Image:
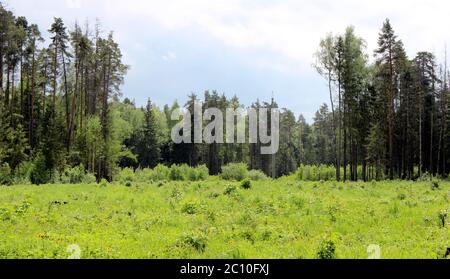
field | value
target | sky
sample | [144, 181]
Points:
[255, 49]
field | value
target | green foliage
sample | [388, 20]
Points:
[196, 241]
[443, 216]
[257, 175]
[103, 183]
[434, 184]
[125, 175]
[5, 175]
[77, 175]
[237, 172]
[229, 190]
[40, 174]
[162, 173]
[178, 172]
[199, 173]
[246, 184]
[190, 207]
[22, 174]
[327, 250]
[274, 215]
[316, 173]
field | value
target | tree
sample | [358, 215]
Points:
[390, 49]
[59, 45]
[328, 65]
[147, 145]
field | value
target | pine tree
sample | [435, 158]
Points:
[147, 145]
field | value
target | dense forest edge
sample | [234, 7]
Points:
[63, 118]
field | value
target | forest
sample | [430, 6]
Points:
[61, 108]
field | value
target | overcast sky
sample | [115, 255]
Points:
[250, 48]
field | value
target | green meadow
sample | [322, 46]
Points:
[283, 218]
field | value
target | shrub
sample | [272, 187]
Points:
[424, 177]
[163, 173]
[5, 175]
[246, 184]
[189, 208]
[103, 183]
[39, 173]
[202, 172]
[434, 184]
[316, 173]
[177, 173]
[198, 173]
[198, 242]
[89, 178]
[443, 215]
[22, 173]
[327, 250]
[125, 175]
[234, 171]
[73, 175]
[160, 173]
[257, 175]
[144, 175]
[230, 190]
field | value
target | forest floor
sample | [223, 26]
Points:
[220, 219]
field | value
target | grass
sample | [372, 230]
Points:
[219, 219]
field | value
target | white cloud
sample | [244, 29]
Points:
[292, 29]
[73, 4]
[281, 36]
[170, 55]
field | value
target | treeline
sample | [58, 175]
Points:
[60, 109]
[388, 117]
[55, 97]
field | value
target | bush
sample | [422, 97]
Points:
[89, 178]
[177, 173]
[236, 172]
[246, 184]
[5, 175]
[163, 173]
[316, 173]
[144, 175]
[198, 242]
[103, 183]
[231, 189]
[197, 174]
[424, 177]
[434, 184]
[73, 175]
[125, 175]
[22, 173]
[202, 172]
[257, 175]
[160, 173]
[39, 173]
[327, 250]
[189, 208]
